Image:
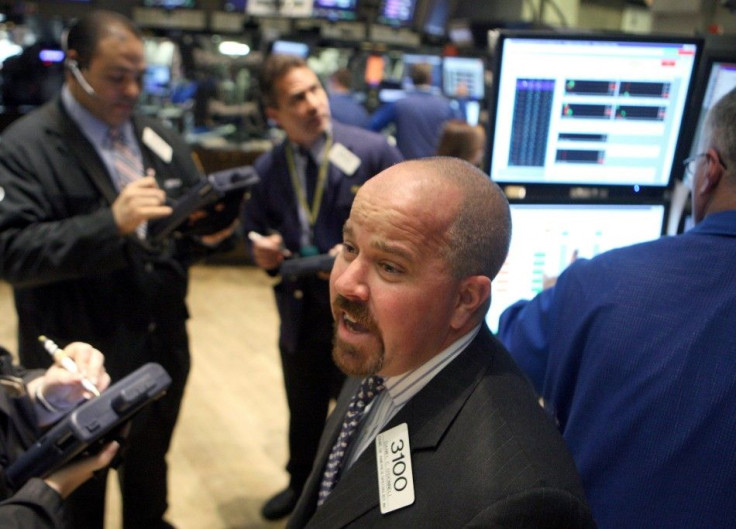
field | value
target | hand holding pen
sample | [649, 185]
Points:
[79, 359]
[268, 250]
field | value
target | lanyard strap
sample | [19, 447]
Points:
[301, 192]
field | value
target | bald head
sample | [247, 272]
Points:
[451, 204]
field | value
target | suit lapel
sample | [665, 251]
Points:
[62, 125]
[428, 415]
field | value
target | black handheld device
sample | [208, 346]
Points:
[302, 266]
[91, 425]
[220, 194]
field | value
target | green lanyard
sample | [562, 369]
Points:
[319, 190]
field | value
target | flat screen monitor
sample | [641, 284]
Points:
[588, 110]
[170, 4]
[410, 59]
[374, 68]
[460, 33]
[396, 13]
[290, 47]
[234, 6]
[547, 237]
[335, 10]
[285, 8]
[463, 77]
[157, 79]
[435, 16]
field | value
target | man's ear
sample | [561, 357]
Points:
[473, 293]
[712, 175]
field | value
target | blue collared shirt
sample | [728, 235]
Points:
[96, 130]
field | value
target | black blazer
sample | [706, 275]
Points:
[484, 454]
[74, 276]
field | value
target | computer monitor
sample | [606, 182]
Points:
[547, 237]
[435, 61]
[374, 70]
[396, 13]
[434, 17]
[157, 80]
[290, 47]
[463, 77]
[234, 6]
[599, 110]
[170, 4]
[335, 10]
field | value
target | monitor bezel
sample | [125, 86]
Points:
[543, 191]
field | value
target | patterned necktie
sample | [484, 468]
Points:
[128, 167]
[367, 391]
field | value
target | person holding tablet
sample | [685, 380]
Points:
[31, 400]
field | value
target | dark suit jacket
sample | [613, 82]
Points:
[273, 207]
[74, 276]
[484, 454]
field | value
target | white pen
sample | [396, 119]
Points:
[255, 236]
[65, 361]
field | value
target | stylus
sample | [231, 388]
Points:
[65, 361]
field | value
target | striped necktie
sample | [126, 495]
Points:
[128, 167]
[369, 388]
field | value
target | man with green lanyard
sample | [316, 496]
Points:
[307, 187]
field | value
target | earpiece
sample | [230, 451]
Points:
[76, 72]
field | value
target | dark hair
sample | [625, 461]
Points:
[84, 34]
[343, 77]
[421, 73]
[274, 68]
[460, 140]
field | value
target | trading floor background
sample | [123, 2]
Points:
[229, 447]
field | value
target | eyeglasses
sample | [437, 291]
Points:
[690, 164]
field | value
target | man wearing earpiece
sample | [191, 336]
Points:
[80, 179]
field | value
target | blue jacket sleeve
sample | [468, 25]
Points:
[382, 117]
[524, 329]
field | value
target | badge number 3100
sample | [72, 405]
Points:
[393, 458]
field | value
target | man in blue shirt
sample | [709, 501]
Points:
[343, 105]
[633, 352]
[418, 117]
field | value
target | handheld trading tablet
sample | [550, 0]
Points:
[303, 266]
[220, 194]
[91, 425]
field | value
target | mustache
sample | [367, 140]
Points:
[358, 311]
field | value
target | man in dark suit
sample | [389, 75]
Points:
[72, 214]
[307, 187]
[455, 436]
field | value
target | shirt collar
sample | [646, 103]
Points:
[316, 149]
[403, 387]
[93, 128]
[721, 223]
